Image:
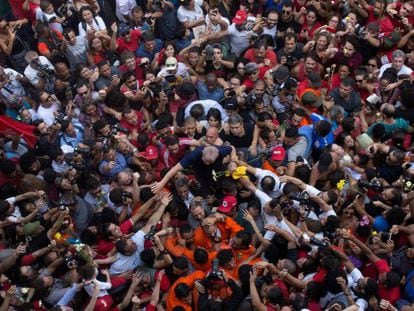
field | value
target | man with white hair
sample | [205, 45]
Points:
[397, 62]
[204, 161]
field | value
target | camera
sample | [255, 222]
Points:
[116, 129]
[360, 31]
[215, 271]
[44, 70]
[78, 150]
[303, 198]
[209, 52]
[72, 261]
[59, 118]
[230, 92]
[150, 234]
[374, 185]
[319, 243]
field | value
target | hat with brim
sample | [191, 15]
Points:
[311, 99]
[31, 228]
[229, 202]
[171, 63]
[240, 17]
[150, 153]
[278, 154]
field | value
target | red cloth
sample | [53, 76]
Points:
[9, 126]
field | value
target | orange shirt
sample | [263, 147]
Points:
[267, 166]
[178, 250]
[227, 229]
[172, 300]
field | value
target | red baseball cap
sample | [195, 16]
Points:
[150, 153]
[278, 154]
[240, 17]
[229, 202]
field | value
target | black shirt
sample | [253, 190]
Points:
[241, 142]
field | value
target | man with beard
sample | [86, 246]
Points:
[63, 82]
[390, 169]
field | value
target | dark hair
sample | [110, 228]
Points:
[182, 290]
[7, 167]
[148, 256]
[180, 263]
[147, 36]
[200, 256]
[224, 256]
[26, 161]
[268, 183]
[121, 245]
[245, 237]
[215, 113]
[323, 127]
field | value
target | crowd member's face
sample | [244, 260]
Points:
[235, 83]
[169, 51]
[333, 22]
[42, 128]
[131, 117]
[115, 231]
[28, 272]
[311, 18]
[70, 131]
[188, 237]
[259, 108]
[260, 53]
[272, 20]
[198, 213]
[211, 83]
[290, 45]
[218, 55]
[213, 122]
[359, 80]
[406, 10]
[4, 26]
[149, 45]
[183, 191]
[343, 72]
[287, 14]
[130, 248]
[349, 49]
[173, 149]
[352, 18]
[130, 64]
[378, 8]
[349, 141]
[209, 227]
[110, 155]
[193, 58]
[46, 100]
[371, 65]
[105, 131]
[72, 38]
[310, 64]
[191, 5]
[105, 71]
[289, 141]
[345, 91]
[296, 120]
[87, 16]
[190, 129]
[321, 43]
[125, 179]
[397, 63]
[83, 91]
[86, 73]
[97, 44]
[137, 16]
[237, 129]
[132, 82]
[259, 89]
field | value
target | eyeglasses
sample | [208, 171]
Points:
[285, 12]
[372, 65]
[126, 33]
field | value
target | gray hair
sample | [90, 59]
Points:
[210, 153]
[29, 56]
[235, 118]
[336, 111]
[398, 53]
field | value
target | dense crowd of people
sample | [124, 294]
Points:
[191, 155]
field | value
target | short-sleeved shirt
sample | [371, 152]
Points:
[131, 45]
[129, 263]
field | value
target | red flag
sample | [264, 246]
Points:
[10, 126]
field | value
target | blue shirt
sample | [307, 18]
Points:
[120, 165]
[72, 141]
[203, 93]
[141, 52]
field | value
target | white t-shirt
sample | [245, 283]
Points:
[124, 7]
[47, 114]
[182, 72]
[31, 73]
[207, 104]
[97, 24]
[185, 15]
[277, 189]
[403, 71]
[129, 263]
[239, 40]
[215, 28]
[104, 286]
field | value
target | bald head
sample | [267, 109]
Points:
[388, 110]
[211, 135]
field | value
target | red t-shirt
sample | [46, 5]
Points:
[131, 45]
[391, 294]
[104, 247]
[270, 54]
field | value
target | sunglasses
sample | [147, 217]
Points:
[286, 12]
[372, 65]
